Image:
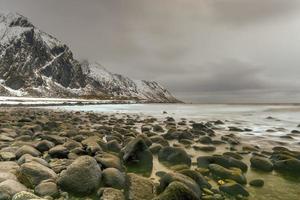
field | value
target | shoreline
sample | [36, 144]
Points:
[40, 102]
[31, 101]
[133, 156]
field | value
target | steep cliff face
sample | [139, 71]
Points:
[34, 63]
[121, 86]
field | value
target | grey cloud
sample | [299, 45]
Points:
[253, 96]
[233, 80]
[224, 76]
[242, 12]
[232, 75]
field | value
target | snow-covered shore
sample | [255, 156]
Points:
[32, 101]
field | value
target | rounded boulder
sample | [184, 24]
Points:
[82, 177]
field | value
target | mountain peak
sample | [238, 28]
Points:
[15, 19]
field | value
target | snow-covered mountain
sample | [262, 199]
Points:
[118, 85]
[34, 63]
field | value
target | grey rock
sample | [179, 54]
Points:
[251, 148]
[223, 173]
[110, 194]
[159, 140]
[7, 156]
[46, 188]
[24, 195]
[11, 187]
[29, 158]
[26, 149]
[171, 177]
[205, 148]
[44, 145]
[197, 177]
[9, 166]
[4, 138]
[228, 162]
[234, 189]
[137, 157]
[257, 183]
[114, 146]
[205, 140]
[31, 174]
[72, 144]
[261, 163]
[233, 155]
[107, 160]
[6, 176]
[58, 165]
[290, 165]
[58, 151]
[139, 188]
[158, 128]
[82, 177]
[92, 145]
[295, 131]
[155, 148]
[177, 191]
[53, 138]
[174, 156]
[112, 177]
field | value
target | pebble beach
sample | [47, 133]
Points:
[59, 154]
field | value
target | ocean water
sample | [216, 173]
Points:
[196, 111]
[256, 117]
[281, 119]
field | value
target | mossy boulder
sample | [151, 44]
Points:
[261, 163]
[112, 177]
[257, 183]
[26, 149]
[290, 166]
[197, 177]
[137, 157]
[177, 191]
[110, 194]
[33, 173]
[155, 148]
[234, 189]
[82, 177]
[47, 188]
[168, 178]
[171, 156]
[223, 173]
[225, 161]
[107, 160]
[25, 196]
[139, 187]
[9, 187]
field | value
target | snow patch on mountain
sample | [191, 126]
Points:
[17, 93]
[124, 86]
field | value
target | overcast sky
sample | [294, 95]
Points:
[201, 50]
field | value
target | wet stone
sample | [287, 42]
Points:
[224, 173]
[139, 188]
[174, 156]
[82, 177]
[257, 183]
[234, 189]
[261, 163]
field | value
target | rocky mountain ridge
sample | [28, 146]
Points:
[34, 63]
